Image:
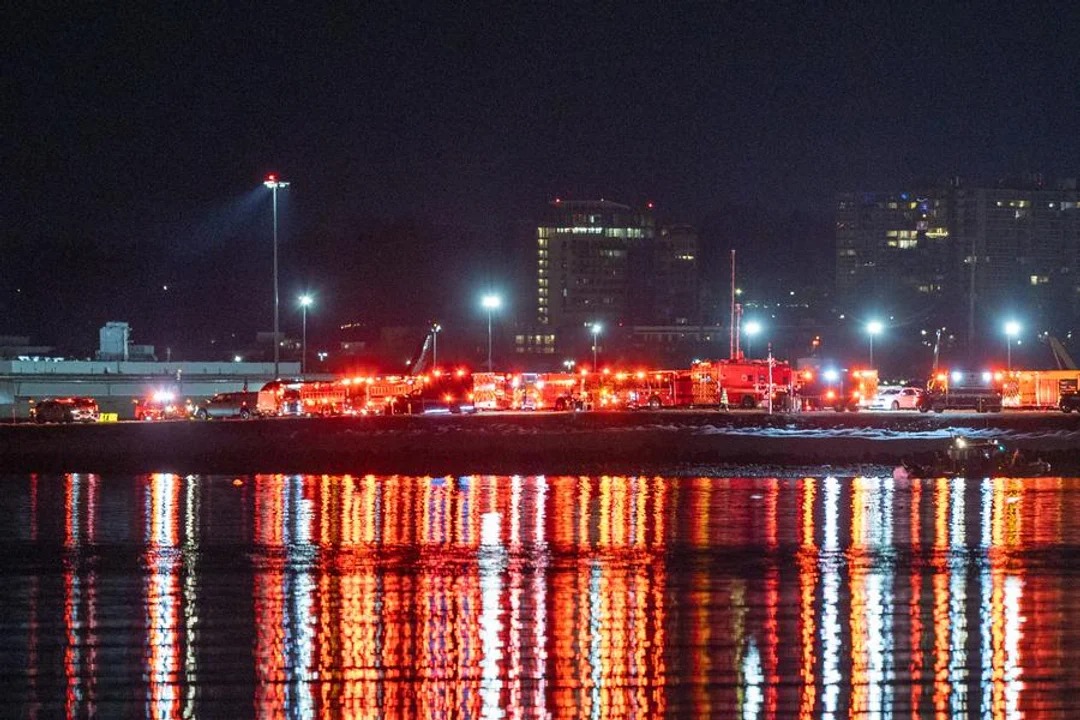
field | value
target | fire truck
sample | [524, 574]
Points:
[375, 395]
[548, 391]
[493, 391]
[1038, 389]
[743, 383]
[280, 397]
[653, 389]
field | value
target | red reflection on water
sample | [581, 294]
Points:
[608, 596]
[164, 626]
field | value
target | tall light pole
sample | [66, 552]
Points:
[596, 328]
[273, 183]
[435, 328]
[490, 303]
[1012, 329]
[874, 327]
[751, 328]
[305, 302]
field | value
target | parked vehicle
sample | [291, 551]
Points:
[1069, 402]
[160, 406]
[957, 390]
[66, 410]
[896, 398]
[241, 405]
[419, 404]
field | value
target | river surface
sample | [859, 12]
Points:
[527, 597]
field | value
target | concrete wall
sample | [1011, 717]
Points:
[115, 385]
[130, 367]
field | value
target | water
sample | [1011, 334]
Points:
[167, 596]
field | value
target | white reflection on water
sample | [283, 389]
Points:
[492, 561]
[298, 620]
[830, 562]
[529, 596]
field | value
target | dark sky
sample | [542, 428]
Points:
[420, 137]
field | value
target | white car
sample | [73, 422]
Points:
[896, 398]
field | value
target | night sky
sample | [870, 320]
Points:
[422, 139]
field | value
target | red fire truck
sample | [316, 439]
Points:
[741, 383]
[280, 397]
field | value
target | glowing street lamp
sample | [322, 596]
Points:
[490, 303]
[1012, 329]
[305, 303]
[273, 183]
[435, 329]
[596, 328]
[874, 327]
[751, 328]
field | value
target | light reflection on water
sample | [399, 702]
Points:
[482, 596]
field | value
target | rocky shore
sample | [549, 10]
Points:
[525, 444]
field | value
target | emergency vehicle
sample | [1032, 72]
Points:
[960, 390]
[745, 383]
[493, 391]
[836, 389]
[375, 395]
[548, 391]
[282, 398]
[436, 392]
[1038, 389]
[161, 405]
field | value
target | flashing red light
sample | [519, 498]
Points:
[272, 177]
[808, 376]
[460, 373]
[558, 200]
[649, 205]
[830, 395]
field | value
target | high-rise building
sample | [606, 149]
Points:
[961, 256]
[604, 262]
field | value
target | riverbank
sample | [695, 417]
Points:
[527, 444]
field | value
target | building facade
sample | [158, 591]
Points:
[604, 262]
[961, 256]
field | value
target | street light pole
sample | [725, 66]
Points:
[435, 344]
[1012, 329]
[595, 334]
[305, 301]
[751, 329]
[873, 328]
[273, 183]
[489, 303]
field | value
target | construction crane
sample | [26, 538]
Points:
[1061, 355]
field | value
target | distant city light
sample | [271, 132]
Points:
[237, 358]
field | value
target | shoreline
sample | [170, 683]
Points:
[581, 443]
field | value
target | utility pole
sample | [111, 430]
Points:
[731, 327]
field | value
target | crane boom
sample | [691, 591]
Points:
[1061, 355]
